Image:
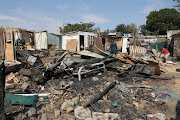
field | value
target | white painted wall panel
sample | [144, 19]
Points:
[41, 40]
[124, 45]
[77, 36]
[66, 37]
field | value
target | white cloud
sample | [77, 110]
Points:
[31, 20]
[62, 7]
[6, 17]
[152, 5]
[94, 18]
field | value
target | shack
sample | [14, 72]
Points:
[21, 34]
[106, 40]
[12, 34]
[41, 40]
[77, 41]
[156, 42]
[174, 46]
[54, 40]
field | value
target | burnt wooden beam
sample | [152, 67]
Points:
[98, 97]
[2, 86]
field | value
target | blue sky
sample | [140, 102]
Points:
[49, 14]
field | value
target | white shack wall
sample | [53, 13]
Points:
[85, 34]
[124, 45]
[65, 38]
[41, 40]
[77, 36]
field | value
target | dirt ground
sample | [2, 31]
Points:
[173, 86]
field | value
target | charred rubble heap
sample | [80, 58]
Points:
[72, 86]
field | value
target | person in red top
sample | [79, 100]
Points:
[165, 52]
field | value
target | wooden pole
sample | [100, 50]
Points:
[134, 54]
[156, 48]
[2, 86]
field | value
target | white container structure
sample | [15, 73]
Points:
[84, 39]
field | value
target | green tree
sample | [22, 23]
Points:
[108, 31]
[2, 28]
[85, 27]
[121, 28]
[160, 21]
[143, 30]
[131, 28]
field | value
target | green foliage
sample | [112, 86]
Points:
[85, 27]
[108, 31]
[131, 28]
[2, 28]
[163, 20]
[143, 30]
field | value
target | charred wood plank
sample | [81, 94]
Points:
[2, 86]
[98, 97]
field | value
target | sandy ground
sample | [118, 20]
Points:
[173, 86]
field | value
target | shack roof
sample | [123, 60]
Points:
[76, 32]
[57, 34]
[18, 29]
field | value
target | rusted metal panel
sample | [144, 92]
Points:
[9, 47]
[176, 47]
[118, 42]
[98, 41]
[1, 44]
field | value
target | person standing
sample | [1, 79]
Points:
[165, 52]
[113, 47]
[128, 46]
[31, 41]
[16, 43]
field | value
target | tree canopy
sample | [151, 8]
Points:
[108, 31]
[2, 28]
[85, 27]
[131, 28]
[161, 21]
[143, 30]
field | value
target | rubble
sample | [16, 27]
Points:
[31, 112]
[95, 78]
[159, 116]
[82, 113]
[24, 86]
[178, 69]
[67, 104]
[86, 85]
[105, 116]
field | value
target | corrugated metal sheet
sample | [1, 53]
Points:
[54, 39]
[41, 40]
[176, 47]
